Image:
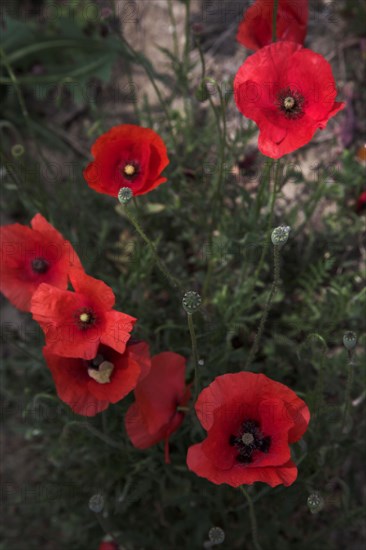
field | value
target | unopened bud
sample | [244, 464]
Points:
[17, 150]
[280, 235]
[202, 92]
[349, 340]
[125, 195]
[191, 301]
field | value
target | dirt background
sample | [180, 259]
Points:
[147, 25]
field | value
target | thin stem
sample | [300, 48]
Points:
[274, 287]
[253, 521]
[94, 431]
[276, 185]
[109, 528]
[174, 26]
[319, 387]
[194, 353]
[274, 21]
[349, 384]
[172, 280]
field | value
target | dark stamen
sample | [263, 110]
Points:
[130, 170]
[85, 318]
[249, 439]
[40, 265]
[291, 103]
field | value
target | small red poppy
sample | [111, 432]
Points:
[76, 323]
[89, 386]
[289, 91]
[255, 30]
[250, 420]
[108, 545]
[127, 156]
[361, 203]
[154, 416]
[31, 256]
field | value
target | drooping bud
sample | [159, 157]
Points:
[280, 235]
[191, 301]
[17, 150]
[125, 195]
[202, 93]
[315, 502]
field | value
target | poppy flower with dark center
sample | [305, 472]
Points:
[108, 545]
[31, 256]
[76, 323]
[127, 156]
[250, 422]
[289, 91]
[155, 414]
[361, 203]
[255, 30]
[89, 386]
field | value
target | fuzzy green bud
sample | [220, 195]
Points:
[17, 150]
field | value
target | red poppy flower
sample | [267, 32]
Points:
[89, 386]
[108, 545]
[75, 323]
[154, 416]
[255, 30]
[289, 92]
[250, 420]
[361, 203]
[30, 257]
[127, 156]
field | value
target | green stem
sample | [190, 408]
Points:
[349, 384]
[194, 353]
[172, 280]
[274, 21]
[253, 521]
[94, 431]
[174, 26]
[274, 287]
[276, 185]
[109, 528]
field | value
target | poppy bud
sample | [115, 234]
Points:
[315, 502]
[280, 235]
[349, 340]
[125, 195]
[191, 301]
[17, 150]
[202, 93]
[96, 503]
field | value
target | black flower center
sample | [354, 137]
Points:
[249, 439]
[85, 318]
[291, 103]
[130, 170]
[40, 265]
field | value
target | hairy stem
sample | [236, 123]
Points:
[253, 521]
